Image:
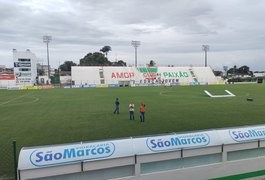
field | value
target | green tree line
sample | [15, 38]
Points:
[93, 59]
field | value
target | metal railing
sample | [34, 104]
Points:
[8, 161]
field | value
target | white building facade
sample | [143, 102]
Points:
[25, 67]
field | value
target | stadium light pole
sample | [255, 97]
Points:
[136, 44]
[205, 48]
[47, 40]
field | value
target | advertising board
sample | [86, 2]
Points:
[37, 157]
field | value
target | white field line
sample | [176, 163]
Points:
[217, 96]
[230, 93]
[165, 92]
[26, 102]
[19, 97]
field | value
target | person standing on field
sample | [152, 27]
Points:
[131, 109]
[142, 112]
[117, 106]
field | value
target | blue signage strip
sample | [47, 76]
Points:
[113, 85]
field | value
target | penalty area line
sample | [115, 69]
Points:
[19, 97]
[229, 94]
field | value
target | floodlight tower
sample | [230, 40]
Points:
[136, 44]
[47, 40]
[205, 48]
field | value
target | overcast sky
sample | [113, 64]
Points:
[170, 31]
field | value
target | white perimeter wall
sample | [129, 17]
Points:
[112, 75]
[6, 83]
[85, 75]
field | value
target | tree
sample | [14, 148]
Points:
[233, 70]
[95, 59]
[119, 63]
[152, 63]
[106, 50]
[217, 73]
[243, 70]
[66, 66]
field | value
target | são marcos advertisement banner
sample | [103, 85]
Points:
[38, 157]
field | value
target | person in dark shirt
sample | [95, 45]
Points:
[117, 106]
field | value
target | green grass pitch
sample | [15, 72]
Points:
[55, 116]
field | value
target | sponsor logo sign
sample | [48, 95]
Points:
[7, 77]
[13, 87]
[55, 156]
[89, 86]
[176, 142]
[113, 85]
[29, 88]
[101, 85]
[22, 64]
[247, 134]
[23, 74]
[174, 84]
[65, 154]
[45, 87]
[38, 157]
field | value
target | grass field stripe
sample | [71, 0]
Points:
[13, 99]
[25, 102]
[72, 115]
[242, 176]
[163, 93]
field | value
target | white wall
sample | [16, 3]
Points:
[205, 74]
[6, 83]
[43, 79]
[112, 75]
[85, 75]
[65, 79]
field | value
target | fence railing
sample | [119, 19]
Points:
[8, 161]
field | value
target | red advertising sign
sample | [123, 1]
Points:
[7, 77]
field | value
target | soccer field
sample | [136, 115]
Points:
[43, 117]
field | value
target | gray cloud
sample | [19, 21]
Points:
[171, 32]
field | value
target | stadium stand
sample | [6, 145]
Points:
[205, 75]
[142, 76]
